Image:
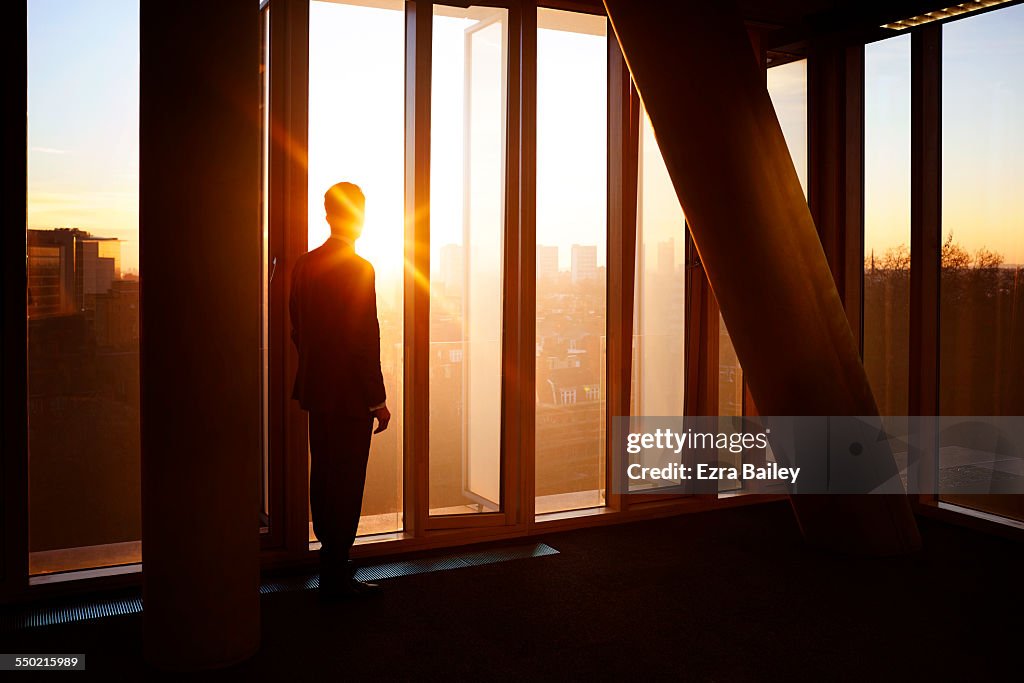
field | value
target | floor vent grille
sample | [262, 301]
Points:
[15, 619]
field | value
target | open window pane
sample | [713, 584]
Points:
[83, 284]
[356, 134]
[467, 217]
[572, 93]
[981, 310]
[659, 324]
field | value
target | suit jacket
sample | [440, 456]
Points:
[333, 307]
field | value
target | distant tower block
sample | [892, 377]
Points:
[584, 263]
[547, 262]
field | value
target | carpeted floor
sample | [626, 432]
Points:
[725, 596]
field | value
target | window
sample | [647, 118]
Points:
[981, 337]
[659, 336]
[787, 85]
[659, 316]
[467, 219]
[356, 133]
[83, 285]
[887, 222]
[572, 92]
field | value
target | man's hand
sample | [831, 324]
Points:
[383, 416]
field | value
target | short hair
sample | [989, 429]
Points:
[345, 201]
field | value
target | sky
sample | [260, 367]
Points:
[83, 120]
[572, 157]
[357, 123]
[83, 127]
[982, 136]
[886, 148]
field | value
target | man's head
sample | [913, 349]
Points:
[344, 204]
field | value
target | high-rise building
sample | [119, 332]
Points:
[97, 263]
[67, 268]
[584, 262]
[51, 272]
[547, 261]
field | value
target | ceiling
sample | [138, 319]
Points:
[787, 25]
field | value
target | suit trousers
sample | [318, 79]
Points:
[339, 448]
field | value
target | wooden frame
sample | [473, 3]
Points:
[925, 233]
[526, 290]
[510, 409]
[623, 159]
[289, 97]
[418, 34]
[286, 542]
[273, 450]
[835, 123]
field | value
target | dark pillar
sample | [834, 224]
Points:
[200, 331]
[13, 338]
[732, 171]
[835, 113]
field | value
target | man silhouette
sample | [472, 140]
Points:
[333, 307]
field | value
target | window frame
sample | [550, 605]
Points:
[926, 54]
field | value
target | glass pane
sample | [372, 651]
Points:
[887, 222]
[356, 134]
[572, 106]
[659, 324]
[787, 86]
[982, 284]
[83, 284]
[467, 217]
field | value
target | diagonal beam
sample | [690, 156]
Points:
[697, 75]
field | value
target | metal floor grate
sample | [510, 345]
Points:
[84, 610]
[80, 610]
[393, 570]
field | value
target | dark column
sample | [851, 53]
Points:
[835, 113]
[13, 342]
[200, 331]
[732, 171]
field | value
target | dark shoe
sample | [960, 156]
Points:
[344, 589]
[364, 589]
[360, 588]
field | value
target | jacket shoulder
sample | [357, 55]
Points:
[365, 265]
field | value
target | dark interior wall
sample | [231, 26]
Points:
[200, 345]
